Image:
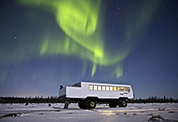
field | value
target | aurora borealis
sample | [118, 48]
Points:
[52, 42]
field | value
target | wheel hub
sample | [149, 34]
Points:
[92, 104]
[123, 103]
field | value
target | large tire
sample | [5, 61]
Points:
[81, 105]
[112, 105]
[122, 103]
[90, 104]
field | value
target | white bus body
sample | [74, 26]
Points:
[84, 92]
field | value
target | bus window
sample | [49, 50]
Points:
[107, 88]
[122, 89]
[103, 88]
[115, 88]
[111, 88]
[90, 87]
[95, 88]
[128, 89]
[118, 88]
[99, 88]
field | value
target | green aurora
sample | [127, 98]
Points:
[81, 21]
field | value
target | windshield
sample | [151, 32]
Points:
[77, 84]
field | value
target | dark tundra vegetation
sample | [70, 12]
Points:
[56, 100]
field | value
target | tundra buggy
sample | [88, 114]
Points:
[88, 94]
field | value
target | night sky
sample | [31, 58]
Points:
[45, 43]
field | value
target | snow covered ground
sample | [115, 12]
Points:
[164, 112]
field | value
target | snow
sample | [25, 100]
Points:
[102, 113]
